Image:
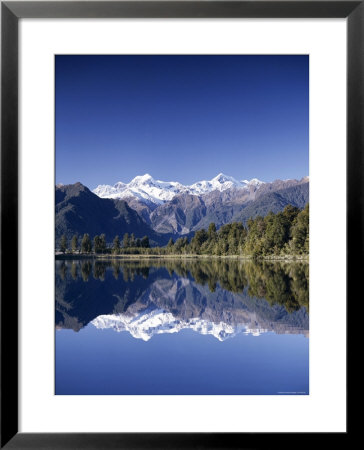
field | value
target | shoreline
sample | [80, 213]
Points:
[272, 258]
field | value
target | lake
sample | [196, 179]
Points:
[181, 326]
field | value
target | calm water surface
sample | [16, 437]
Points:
[181, 327]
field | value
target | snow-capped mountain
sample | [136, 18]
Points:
[146, 189]
[158, 321]
[170, 207]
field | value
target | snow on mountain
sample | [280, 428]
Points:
[220, 183]
[146, 189]
[158, 321]
[254, 182]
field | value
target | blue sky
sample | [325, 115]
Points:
[181, 118]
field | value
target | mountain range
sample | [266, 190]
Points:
[149, 190]
[79, 211]
[161, 210]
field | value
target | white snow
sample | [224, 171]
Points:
[147, 189]
[158, 321]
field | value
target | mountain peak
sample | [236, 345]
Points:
[222, 178]
[75, 187]
[142, 178]
[146, 189]
[255, 182]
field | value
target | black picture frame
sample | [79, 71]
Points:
[11, 12]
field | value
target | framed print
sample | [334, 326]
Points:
[168, 268]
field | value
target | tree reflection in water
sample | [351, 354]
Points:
[274, 294]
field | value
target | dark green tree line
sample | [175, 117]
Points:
[280, 234]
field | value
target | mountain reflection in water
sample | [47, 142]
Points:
[218, 297]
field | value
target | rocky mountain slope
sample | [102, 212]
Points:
[187, 213]
[162, 210]
[80, 211]
[174, 208]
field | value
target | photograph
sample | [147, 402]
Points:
[181, 224]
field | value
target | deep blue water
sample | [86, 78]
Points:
[147, 359]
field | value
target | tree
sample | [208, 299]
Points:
[74, 243]
[86, 246]
[170, 246]
[198, 239]
[286, 232]
[116, 245]
[211, 231]
[63, 244]
[290, 212]
[145, 242]
[126, 240]
[276, 233]
[300, 232]
[178, 245]
[97, 244]
[102, 243]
